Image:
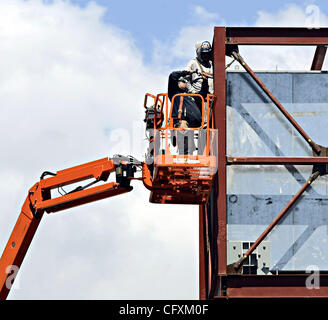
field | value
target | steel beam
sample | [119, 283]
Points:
[270, 95]
[220, 124]
[282, 213]
[276, 36]
[202, 255]
[275, 160]
[254, 285]
[319, 57]
[283, 285]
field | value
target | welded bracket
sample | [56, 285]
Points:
[257, 263]
[322, 168]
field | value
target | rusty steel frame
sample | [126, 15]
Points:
[276, 160]
[287, 115]
[273, 286]
[319, 57]
[282, 213]
[275, 36]
[215, 282]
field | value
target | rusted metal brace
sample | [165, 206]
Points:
[313, 145]
[237, 265]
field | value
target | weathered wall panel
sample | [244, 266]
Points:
[256, 194]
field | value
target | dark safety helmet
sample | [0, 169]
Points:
[205, 47]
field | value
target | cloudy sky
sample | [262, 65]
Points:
[72, 80]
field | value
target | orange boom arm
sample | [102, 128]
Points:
[39, 201]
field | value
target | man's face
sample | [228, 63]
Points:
[182, 85]
[205, 56]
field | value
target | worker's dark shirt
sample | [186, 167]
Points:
[190, 110]
[173, 87]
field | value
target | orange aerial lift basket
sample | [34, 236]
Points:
[181, 162]
[174, 172]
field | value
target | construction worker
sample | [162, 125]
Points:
[201, 82]
[185, 112]
[201, 69]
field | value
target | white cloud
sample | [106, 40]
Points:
[178, 51]
[292, 16]
[284, 57]
[202, 14]
[67, 82]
